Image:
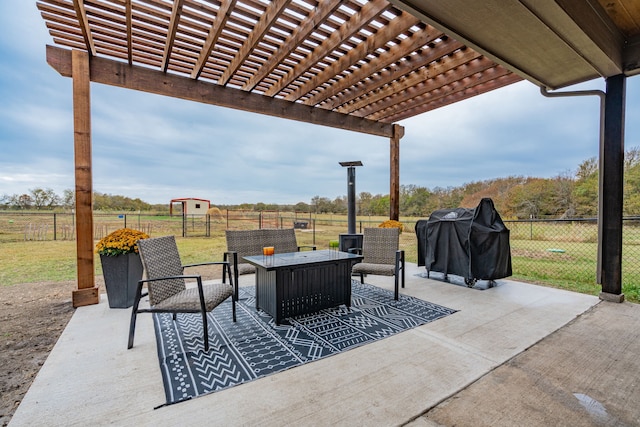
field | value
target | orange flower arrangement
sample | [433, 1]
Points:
[120, 242]
[390, 223]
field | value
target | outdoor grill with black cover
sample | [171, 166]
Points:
[471, 243]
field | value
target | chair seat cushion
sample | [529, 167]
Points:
[378, 269]
[189, 299]
[244, 268]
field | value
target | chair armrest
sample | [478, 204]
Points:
[231, 259]
[312, 247]
[182, 276]
[206, 263]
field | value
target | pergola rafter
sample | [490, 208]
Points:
[171, 33]
[83, 23]
[214, 34]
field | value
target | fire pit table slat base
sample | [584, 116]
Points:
[298, 283]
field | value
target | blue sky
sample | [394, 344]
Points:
[158, 148]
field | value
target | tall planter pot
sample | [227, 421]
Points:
[121, 274]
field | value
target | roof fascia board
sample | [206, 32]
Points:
[631, 57]
[120, 74]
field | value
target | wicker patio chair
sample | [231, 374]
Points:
[167, 290]
[381, 255]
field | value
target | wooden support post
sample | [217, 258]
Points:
[87, 292]
[394, 172]
[611, 192]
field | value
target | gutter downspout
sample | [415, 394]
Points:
[593, 92]
[602, 95]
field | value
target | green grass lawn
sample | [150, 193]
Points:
[574, 269]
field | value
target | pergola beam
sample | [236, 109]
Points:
[116, 73]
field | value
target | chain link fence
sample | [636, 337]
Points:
[566, 251]
[556, 252]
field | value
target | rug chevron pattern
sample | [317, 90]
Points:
[254, 346]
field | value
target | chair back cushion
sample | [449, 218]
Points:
[160, 258]
[379, 245]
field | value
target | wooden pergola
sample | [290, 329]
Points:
[354, 65]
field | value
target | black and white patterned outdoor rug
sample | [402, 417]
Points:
[254, 346]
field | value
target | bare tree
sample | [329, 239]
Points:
[43, 197]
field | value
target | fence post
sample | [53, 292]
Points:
[54, 225]
[125, 220]
[530, 229]
[184, 225]
[208, 226]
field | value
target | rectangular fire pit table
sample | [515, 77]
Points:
[297, 283]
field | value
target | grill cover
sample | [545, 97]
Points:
[471, 243]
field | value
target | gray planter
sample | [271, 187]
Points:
[121, 274]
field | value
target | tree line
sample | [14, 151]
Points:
[47, 199]
[568, 195]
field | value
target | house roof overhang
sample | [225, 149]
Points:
[550, 43]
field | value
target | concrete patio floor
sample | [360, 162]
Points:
[90, 378]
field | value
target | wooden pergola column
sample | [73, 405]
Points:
[610, 196]
[394, 172]
[87, 292]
